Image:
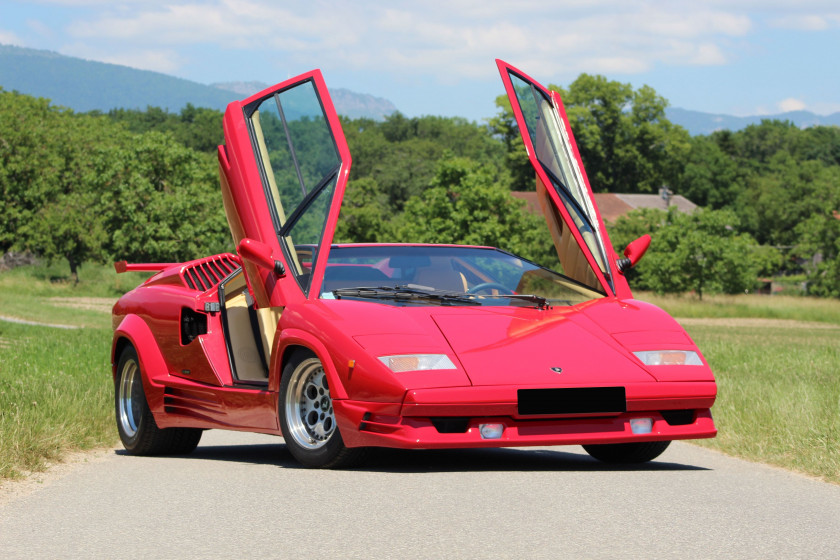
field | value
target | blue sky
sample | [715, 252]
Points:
[739, 57]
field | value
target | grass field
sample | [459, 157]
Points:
[778, 394]
[55, 394]
[749, 306]
[46, 294]
[775, 358]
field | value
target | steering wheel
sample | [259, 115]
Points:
[490, 286]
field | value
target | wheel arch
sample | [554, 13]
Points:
[134, 331]
[293, 340]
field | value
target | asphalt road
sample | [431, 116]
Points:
[242, 495]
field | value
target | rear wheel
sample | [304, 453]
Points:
[307, 418]
[637, 452]
[139, 433]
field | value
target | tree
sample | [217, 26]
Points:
[820, 247]
[365, 214]
[784, 194]
[29, 163]
[401, 154]
[45, 169]
[163, 202]
[68, 224]
[711, 177]
[700, 252]
[198, 128]
[68, 230]
[465, 205]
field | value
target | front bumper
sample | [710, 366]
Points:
[450, 418]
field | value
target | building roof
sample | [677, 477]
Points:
[613, 205]
[655, 201]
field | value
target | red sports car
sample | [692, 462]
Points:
[339, 348]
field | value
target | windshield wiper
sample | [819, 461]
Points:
[407, 293]
[412, 292]
[541, 302]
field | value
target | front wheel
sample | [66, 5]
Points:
[637, 452]
[307, 418]
[139, 433]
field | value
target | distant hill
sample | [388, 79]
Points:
[697, 122]
[347, 103]
[85, 85]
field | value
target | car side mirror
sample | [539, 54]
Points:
[633, 253]
[260, 254]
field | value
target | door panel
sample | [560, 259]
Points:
[285, 165]
[563, 191]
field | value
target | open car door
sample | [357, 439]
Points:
[563, 190]
[283, 170]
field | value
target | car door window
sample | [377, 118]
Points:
[299, 163]
[552, 148]
[562, 191]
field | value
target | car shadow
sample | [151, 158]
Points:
[500, 460]
[443, 460]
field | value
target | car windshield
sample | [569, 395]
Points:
[445, 275]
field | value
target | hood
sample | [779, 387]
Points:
[538, 348]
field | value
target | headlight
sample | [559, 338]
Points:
[669, 358]
[417, 362]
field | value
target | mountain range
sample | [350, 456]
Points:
[697, 122]
[85, 85]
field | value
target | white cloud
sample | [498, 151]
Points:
[166, 61]
[10, 38]
[440, 37]
[807, 22]
[157, 60]
[791, 104]
[825, 108]
[85, 3]
[708, 54]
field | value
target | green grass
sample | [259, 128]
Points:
[52, 279]
[797, 308]
[778, 395]
[40, 293]
[56, 394]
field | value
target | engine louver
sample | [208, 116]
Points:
[206, 273]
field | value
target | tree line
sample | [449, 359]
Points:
[143, 186]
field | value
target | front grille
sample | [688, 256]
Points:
[208, 272]
[574, 400]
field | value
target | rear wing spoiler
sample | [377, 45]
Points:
[124, 266]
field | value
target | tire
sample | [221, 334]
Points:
[139, 433]
[639, 452]
[307, 419]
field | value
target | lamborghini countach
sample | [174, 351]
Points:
[340, 348]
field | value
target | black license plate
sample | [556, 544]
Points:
[573, 400]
